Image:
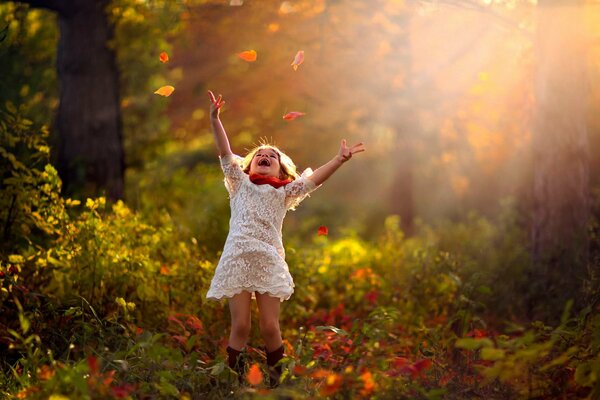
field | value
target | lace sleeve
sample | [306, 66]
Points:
[298, 190]
[232, 171]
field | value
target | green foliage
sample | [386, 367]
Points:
[29, 58]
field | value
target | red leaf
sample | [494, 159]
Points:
[121, 392]
[477, 333]
[400, 362]
[322, 231]
[371, 296]
[422, 364]
[93, 364]
[293, 115]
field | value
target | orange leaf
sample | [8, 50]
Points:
[165, 91]
[299, 59]
[320, 373]
[248, 55]
[255, 376]
[332, 384]
[322, 231]
[293, 115]
[299, 370]
[163, 57]
[367, 378]
[45, 372]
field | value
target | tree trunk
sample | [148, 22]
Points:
[403, 101]
[561, 159]
[89, 147]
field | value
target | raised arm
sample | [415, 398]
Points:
[326, 170]
[217, 126]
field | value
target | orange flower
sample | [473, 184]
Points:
[163, 57]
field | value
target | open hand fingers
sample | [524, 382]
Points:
[217, 102]
[211, 96]
[357, 148]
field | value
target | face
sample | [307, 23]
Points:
[266, 162]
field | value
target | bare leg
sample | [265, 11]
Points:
[239, 307]
[268, 309]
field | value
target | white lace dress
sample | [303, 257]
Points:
[253, 258]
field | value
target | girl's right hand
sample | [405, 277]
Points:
[215, 104]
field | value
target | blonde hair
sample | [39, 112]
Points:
[286, 165]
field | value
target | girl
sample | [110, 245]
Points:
[262, 187]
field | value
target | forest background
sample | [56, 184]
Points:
[461, 255]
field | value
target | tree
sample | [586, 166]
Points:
[561, 157]
[88, 150]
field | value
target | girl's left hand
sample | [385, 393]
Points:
[346, 152]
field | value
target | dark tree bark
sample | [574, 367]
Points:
[402, 118]
[561, 159]
[89, 149]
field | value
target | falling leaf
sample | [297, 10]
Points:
[254, 376]
[293, 115]
[248, 55]
[165, 91]
[299, 59]
[163, 57]
[322, 231]
[236, 2]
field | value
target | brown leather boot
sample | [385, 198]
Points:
[236, 362]
[273, 358]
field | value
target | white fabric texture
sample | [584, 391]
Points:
[253, 257]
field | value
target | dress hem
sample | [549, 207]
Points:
[230, 293]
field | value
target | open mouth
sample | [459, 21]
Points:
[264, 162]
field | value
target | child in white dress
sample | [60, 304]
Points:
[262, 187]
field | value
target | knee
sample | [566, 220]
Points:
[269, 327]
[240, 328]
